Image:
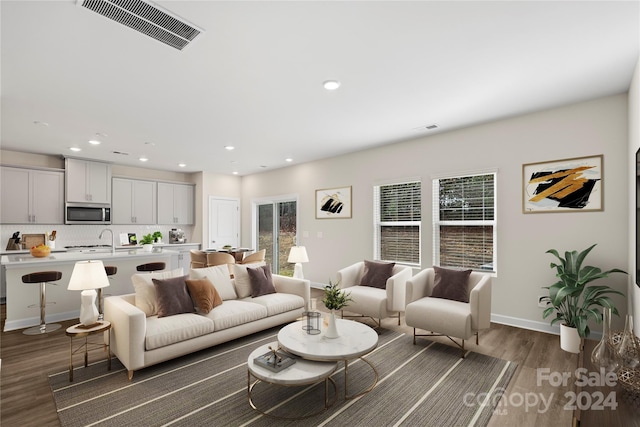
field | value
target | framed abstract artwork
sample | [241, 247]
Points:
[567, 185]
[333, 203]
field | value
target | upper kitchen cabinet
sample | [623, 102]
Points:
[175, 203]
[88, 181]
[133, 201]
[31, 196]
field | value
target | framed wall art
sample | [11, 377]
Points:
[333, 203]
[567, 185]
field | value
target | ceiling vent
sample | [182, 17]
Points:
[147, 18]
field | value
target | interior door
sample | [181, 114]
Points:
[224, 218]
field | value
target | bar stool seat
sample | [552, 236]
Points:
[151, 266]
[42, 277]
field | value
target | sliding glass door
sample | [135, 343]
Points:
[276, 227]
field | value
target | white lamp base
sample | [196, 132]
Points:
[297, 271]
[88, 311]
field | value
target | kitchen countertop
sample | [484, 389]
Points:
[19, 260]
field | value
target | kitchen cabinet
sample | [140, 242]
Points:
[175, 203]
[32, 196]
[87, 181]
[133, 201]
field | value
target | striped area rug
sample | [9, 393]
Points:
[427, 384]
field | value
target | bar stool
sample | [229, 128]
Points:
[42, 277]
[151, 266]
[110, 270]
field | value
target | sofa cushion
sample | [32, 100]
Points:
[173, 296]
[241, 278]
[163, 331]
[219, 276]
[203, 294]
[377, 273]
[277, 303]
[235, 312]
[448, 317]
[146, 298]
[451, 284]
[261, 281]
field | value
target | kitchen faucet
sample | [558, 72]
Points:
[113, 240]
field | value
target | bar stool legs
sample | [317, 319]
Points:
[42, 278]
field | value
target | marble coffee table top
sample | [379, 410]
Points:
[356, 339]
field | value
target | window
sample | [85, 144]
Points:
[397, 211]
[464, 222]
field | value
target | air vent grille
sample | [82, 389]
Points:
[146, 18]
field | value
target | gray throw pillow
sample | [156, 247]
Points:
[173, 296]
[377, 273]
[451, 284]
[261, 281]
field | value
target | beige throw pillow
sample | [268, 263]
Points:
[241, 277]
[219, 276]
[146, 297]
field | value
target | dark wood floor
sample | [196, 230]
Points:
[26, 399]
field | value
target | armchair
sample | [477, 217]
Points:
[369, 301]
[445, 317]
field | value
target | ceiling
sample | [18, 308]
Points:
[253, 79]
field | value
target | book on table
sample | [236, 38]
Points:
[275, 361]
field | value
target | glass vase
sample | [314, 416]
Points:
[604, 354]
[628, 347]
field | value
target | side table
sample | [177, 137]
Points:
[79, 331]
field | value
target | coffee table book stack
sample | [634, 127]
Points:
[274, 360]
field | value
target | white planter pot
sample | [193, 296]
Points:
[570, 339]
[147, 248]
[332, 331]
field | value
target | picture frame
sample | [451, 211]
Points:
[333, 203]
[566, 185]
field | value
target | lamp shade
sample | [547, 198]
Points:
[298, 254]
[88, 275]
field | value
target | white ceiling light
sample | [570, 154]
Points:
[288, 159]
[235, 172]
[94, 142]
[182, 165]
[331, 84]
[143, 159]
[75, 149]
[229, 147]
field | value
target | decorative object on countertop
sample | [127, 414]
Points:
[275, 360]
[334, 299]
[573, 302]
[31, 240]
[298, 255]
[14, 242]
[604, 354]
[40, 251]
[42, 278]
[157, 237]
[87, 276]
[147, 242]
[51, 240]
[628, 349]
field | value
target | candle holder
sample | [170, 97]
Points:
[311, 322]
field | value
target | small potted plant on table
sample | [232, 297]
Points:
[334, 299]
[147, 242]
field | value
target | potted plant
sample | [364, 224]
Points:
[147, 242]
[334, 299]
[575, 303]
[157, 237]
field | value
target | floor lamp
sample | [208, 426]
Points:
[298, 255]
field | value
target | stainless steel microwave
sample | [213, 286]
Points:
[87, 213]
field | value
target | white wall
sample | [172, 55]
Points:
[589, 128]
[634, 145]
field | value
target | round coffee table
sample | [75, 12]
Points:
[302, 372]
[356, 340]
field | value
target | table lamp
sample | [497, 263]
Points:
[298, 255]
[88, 276]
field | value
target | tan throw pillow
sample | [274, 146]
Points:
[241, 278]
[377, 273]
[146, 298]
[451, 284]
[203, 294]
[261, 281]
[219, 276]
[173, 297]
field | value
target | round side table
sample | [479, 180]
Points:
[80, 331]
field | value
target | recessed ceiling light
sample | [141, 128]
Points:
[101, 135]
[235, 172]
[288, 159]
[94, 142]
[143, 159]
[229, 147]
[331, 84]
[75, 148]
[150, 143]
[39, 123]
[182, 165]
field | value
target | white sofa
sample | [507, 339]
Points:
[139, 340]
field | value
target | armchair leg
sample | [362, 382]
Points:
[414, 336]
[477, 333]
[398, 318]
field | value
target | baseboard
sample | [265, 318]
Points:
[535, 325]
[12, 325]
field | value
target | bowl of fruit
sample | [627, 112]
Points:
[40, 251]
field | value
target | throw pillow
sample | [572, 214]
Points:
[203, 294]
[219, 276]
[173, 297]
[376, 274]
[146, 299]
[241, 278]
[261, 281]
[451, 284]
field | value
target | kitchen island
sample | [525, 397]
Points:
[22, 299]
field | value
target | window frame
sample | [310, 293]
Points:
[378, 224]
[471, 223]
